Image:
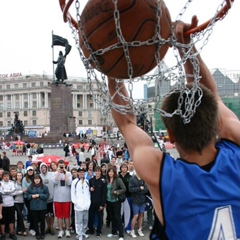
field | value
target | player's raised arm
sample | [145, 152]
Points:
[229, 125]
[139, 142]
[126, 123]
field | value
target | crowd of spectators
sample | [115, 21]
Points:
[80, 198]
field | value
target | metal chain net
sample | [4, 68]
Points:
[174, 73]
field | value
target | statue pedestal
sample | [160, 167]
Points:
[61, 113]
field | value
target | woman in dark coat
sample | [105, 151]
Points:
[37, 194]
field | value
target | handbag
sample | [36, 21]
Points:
[122, 197]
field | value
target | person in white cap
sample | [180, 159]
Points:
[27, 180]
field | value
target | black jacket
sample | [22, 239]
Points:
[99, 195]
[126, 180]
[138, 196]
[5, 163]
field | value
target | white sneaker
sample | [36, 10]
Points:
[140, 233]
[121, 238]
[150, 228]
[32, 232]
[85, 235]
[60, 234]
[132, 234]
[111, 235]
[68, 235]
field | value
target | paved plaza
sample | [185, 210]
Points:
[72, 162]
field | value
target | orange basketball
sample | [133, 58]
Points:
[138, 22]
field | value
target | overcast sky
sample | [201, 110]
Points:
[27, 25]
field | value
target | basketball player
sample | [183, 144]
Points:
[196, 196]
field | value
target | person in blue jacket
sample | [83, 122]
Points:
[38, 194]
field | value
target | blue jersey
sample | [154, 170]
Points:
[203, 205]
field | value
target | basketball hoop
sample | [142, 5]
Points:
[96, 79]
[220, 15]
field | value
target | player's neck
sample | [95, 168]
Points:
[207, 155]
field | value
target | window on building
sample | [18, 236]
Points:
[25, 96]
[0, 87]
[80, 114]
[34, 113]
[8, 97]
[1, 97]
[89, 122]
[9, 123]
[8, 114]
[25, 122]
[25, 104]
[91, 105]
[78, 97]
[8, 86]
[33, 84]
[9, 106]
[1, 123]
[41, 84]
[25, 113]
[15, 85]
[17, 105]
[89, 114]
[80, 122]
[79, 87]
[24, 85]
[1, 114]
[34, 122]
[34, 104]
[17, 97]
[1, 106]
[78, 105]
[34, 95]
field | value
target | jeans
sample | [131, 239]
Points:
[39, 216]
[94, 210]
[20, 223]
[29, 217]
[114, 210]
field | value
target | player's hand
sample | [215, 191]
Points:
[182, 27]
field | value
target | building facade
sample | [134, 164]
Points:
[30, 96]
[227, 83]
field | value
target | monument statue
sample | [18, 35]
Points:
[60, 71]
[17, 127]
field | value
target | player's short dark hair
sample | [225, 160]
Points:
[203, 126]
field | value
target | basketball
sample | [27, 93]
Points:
[138, 22]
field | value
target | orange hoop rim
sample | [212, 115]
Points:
[221, 13]
[65, 7]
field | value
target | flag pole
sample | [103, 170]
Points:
[53, 57]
